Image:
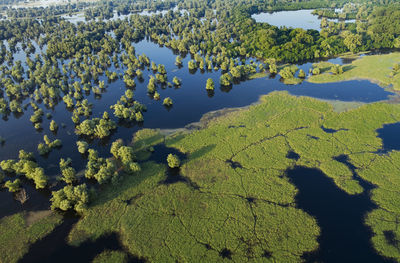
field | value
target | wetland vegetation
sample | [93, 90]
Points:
[103, 157]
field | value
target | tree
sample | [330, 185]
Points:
[287, 73]
[53, 126]
[178, 61]
[176, 81]
[173, 160]
[302, 74]
[167, 102]
[352, 41]
[192, 64]
[210, 84]
[316, 71]
[68, 172]
[39, 178]
[273, 69]
[70, 197]
[13, 186]
[225, 79]
[337, 69]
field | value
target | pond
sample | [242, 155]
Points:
[389, 134]
[344, 237]
[294, 19]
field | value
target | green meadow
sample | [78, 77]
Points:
[20, 230]
[376, 68]
[236, 202]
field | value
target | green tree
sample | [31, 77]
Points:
[176, 81]
[13, 186]
[302, 74]
[167, 102]
[225, 79]
[53, 126]
[173, 160]
[70, 197]
[210, 84]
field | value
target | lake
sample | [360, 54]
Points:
[295, 19]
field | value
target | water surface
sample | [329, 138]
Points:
[295, 19]
[344, 236]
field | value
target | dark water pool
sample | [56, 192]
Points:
[344, 236]
[390, 135]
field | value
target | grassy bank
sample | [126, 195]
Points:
[21, 230]
[376, 68]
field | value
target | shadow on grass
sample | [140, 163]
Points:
[201, 152]
[347, 68]
[53, 248]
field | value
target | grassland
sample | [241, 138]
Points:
[376, 68]
[111, 257]
[20, 230]
[258, 75]
[235, 202]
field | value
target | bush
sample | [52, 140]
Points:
[176, 81]
[48, 145]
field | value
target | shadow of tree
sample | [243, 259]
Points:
[201, 152]
[347, 68]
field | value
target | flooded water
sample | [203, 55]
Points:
[190, 101]
[340, 216]
[344, 236]
[389, 134]
[295, 19]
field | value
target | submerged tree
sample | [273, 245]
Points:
[82, 146]
[210, 84]
[167, 102]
